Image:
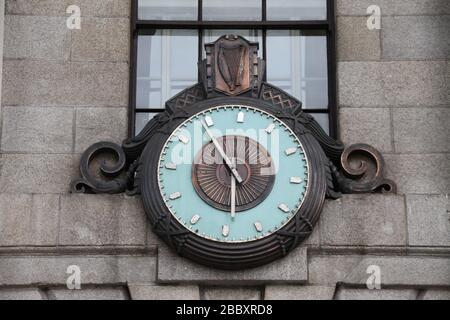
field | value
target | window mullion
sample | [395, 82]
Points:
[165, 66]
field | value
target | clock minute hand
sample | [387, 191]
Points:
[222, 153]
[233, 194]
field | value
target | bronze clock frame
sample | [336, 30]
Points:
[132, 167]
[231, 255]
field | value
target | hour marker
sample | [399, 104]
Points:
[240, 117]
[270, 128]
[175, 196]
[290, 151]
[195, 219]
[225, 230]
[296, 180]
[171, 166]
[258, 226]
[183, 139]
[283, 207]
[209, 121]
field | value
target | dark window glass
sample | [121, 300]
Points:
[166, 64]
[232, 10]
[297, 63]
[167, 9]
[296, 9]
[171, 33]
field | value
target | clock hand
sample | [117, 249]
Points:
[233, 194]
[222, 153]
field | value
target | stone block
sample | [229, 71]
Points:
[15, 210]
[45, 83]
[105, 8]
[21, 294]
[436, 294]
[27, 219]
[355, 42]
[389, 7]
[95, 270]
[330, 269]
[428, 220]
[101, 39]
[421, 130]
[383, 294]
[137, 269]
[299, 292]
[412, 271]
[2, 21]
[101, 220]
[28, 37]
[419, 173]
[172, 268]
[37, 130]
[416, 38]
[366, 125]
[37, 173]
[364, 220]
[231, 293]
[155, 292]
[100, 293]
[99, 124]
[400, 83]
[44, 219]
[360, 84]
[89, 8]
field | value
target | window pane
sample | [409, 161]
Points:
[167, 64]
[167, 9]
[251, 35]
[232, 10]
[296, 9]
[142, 119]
[323, 120]
[297, 63]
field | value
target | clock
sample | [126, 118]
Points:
[243, 179]
[229, 183]
[233, 174]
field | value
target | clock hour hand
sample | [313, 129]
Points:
[222, 153]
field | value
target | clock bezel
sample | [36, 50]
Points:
[239, 107]
[232, 255]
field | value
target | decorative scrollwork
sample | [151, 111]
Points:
[97, 176]
[362, 167]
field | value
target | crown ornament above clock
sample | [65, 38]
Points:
[233, 174]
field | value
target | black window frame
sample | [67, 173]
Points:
[328, 26]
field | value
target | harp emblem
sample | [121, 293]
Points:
[232, 65]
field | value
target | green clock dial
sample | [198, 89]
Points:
[233, 173]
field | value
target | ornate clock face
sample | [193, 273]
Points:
[233, 173]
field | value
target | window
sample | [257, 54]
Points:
[296, 37]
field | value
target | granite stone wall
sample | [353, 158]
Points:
[66, 89]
